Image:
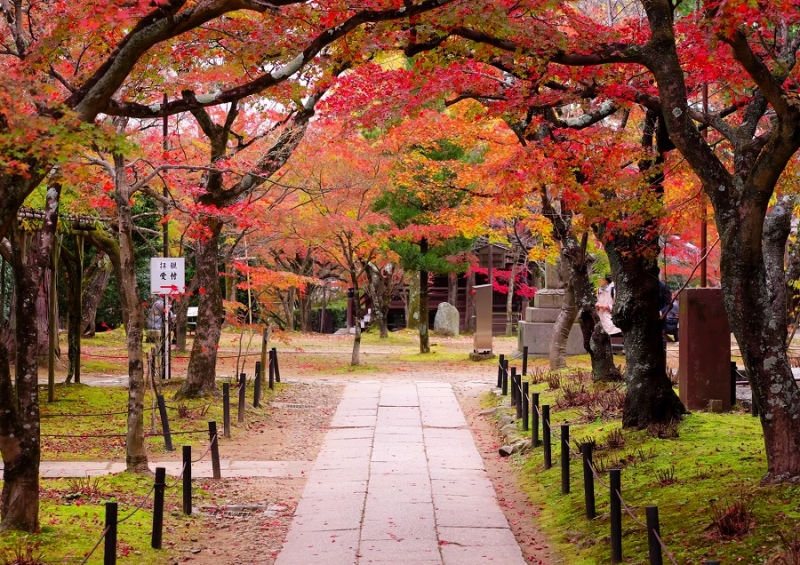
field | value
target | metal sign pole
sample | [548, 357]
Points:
[167, 340]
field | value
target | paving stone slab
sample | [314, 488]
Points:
[400, 552]
[477, 537]
[400, 452]
[455, 555]
[468, 512]
[349, 433]
[399, 513]
[448, 434]
[357, 465]
[317, 487]
[353, 422]
[381, 530]
[392, 430]
[472, 487]
[330, 548]
[401, 488]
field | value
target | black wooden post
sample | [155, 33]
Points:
[564, 459]
[162, 410]
[271, 370]
[242, 399]
[158, 507]
[535, 418]
[277, 366]
[226, 409]
[525, 360]
[504, 390]
[548, 456]
[214, 439]
[513, 386]
[525, 407]
[500, 371]
[187, 480]
[588, 480]
[652, 541]
[616, 515]
[257, 386]
[110, 547]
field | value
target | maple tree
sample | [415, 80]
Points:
[56, 83]
[340, 184]
[748, 52]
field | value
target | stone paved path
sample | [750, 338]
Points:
[399, 481]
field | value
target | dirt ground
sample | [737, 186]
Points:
[253, 516]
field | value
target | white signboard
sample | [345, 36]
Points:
[167, 275]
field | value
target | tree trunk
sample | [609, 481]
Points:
[230, 286]
[563, 325]
[93, 292]
[181, 309]
[73, 262]
[201, 377]
[19, 402]
[110, 247]
[424, 315]
[469, 315]
[777, 227]
[650, 397]
[452, 289]
[413, 309]
[510, 306]
[135, 453]
[380, 289]
[355, 359]
[761, 340]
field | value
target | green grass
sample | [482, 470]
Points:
[184, 416]
[69, 529]
[717, 457]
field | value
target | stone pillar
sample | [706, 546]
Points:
[704, 349]
[536, 330]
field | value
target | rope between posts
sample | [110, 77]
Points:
[664, 547]
[88, 555]
[210, 444]
[628, 510]
[655, 533]
[619, 495]
[141, 504]
[577, 454]
[92, 436]
[104, 414]
[178, 479]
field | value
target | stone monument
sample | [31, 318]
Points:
[447, 319]
[704, 349]
[536, 330]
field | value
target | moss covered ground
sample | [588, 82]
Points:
[716, 459]
[187, 419]
[72, 519]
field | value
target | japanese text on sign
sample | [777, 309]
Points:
[167, 275]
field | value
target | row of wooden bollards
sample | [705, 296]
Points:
[109, 535]
[274, 377]
[527, 409]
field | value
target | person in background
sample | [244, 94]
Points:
[155, 321]
[605, 303]
[671, 321]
